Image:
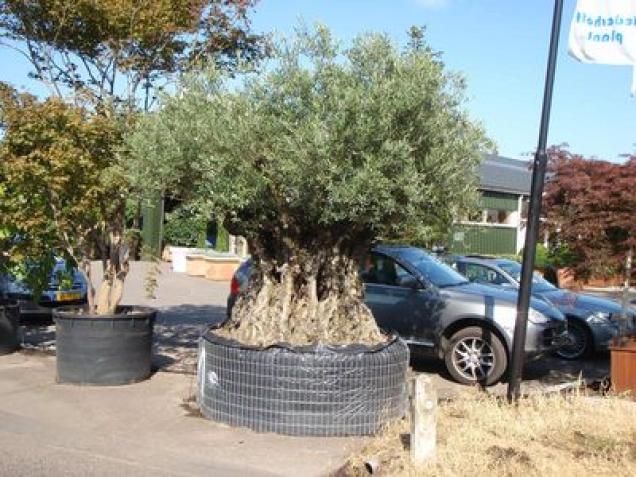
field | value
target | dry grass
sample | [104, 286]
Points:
[479, 434]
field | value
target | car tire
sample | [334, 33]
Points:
[579, 342]
[476, 355]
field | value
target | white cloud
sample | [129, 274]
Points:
[431, 4]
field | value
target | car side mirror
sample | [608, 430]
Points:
[409, 281]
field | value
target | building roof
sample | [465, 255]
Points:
[502, 174]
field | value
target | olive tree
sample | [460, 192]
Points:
[312, 157]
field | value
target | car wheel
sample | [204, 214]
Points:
[476, 355]
[578, 342]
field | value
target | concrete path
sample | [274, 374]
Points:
[49, 429]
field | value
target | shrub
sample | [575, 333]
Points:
[185, 227]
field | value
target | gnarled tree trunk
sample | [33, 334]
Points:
[312, 296]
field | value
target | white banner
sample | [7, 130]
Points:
[604, 31]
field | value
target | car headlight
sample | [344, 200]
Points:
[537, 317]
[599, 318]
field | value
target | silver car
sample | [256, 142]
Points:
[592, 321]
[437, 310]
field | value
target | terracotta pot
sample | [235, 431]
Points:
[623, 365]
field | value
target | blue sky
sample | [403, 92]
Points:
[501, 47]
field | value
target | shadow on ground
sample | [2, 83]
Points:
[38, 336]
[177, 332]
[552, 370]
[538, 374]
[176, 336]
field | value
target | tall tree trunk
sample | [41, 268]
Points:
[85, 268]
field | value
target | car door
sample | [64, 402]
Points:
[397, 305]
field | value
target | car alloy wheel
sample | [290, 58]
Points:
[577, 342]
[475, 355]
[473, 358]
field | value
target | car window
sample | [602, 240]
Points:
[514, 270]
[432, 269]
[382, 270]
[482, 274]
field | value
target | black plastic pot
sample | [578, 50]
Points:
[303, 391]
[104, 350]
[9, 324]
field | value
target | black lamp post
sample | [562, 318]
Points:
[534, 213]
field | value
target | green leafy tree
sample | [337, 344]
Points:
[62, 190]
[109, 58]
[312, 158]
[120, 51]
[185, 227]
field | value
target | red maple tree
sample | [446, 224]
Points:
[590, 206]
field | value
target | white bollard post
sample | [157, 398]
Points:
[423, 420]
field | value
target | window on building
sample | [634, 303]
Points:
[497, 216]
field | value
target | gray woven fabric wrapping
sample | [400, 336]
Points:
[308, 391]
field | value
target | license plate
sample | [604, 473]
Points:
[67, 296]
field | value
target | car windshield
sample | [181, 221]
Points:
[514, 270]
[436, 272]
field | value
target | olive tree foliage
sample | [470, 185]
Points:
[313, 157]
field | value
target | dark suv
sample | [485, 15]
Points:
[437, 310]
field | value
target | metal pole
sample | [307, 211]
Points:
[534, 213]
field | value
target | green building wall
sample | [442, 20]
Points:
[152, 227]
[482, 239]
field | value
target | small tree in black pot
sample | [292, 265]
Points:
[101, 62]
[64, 193]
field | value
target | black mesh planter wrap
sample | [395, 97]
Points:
[104, 349]
[303, 391]
[9, 323]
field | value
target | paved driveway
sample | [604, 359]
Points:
[187, 305]
[143, 429]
